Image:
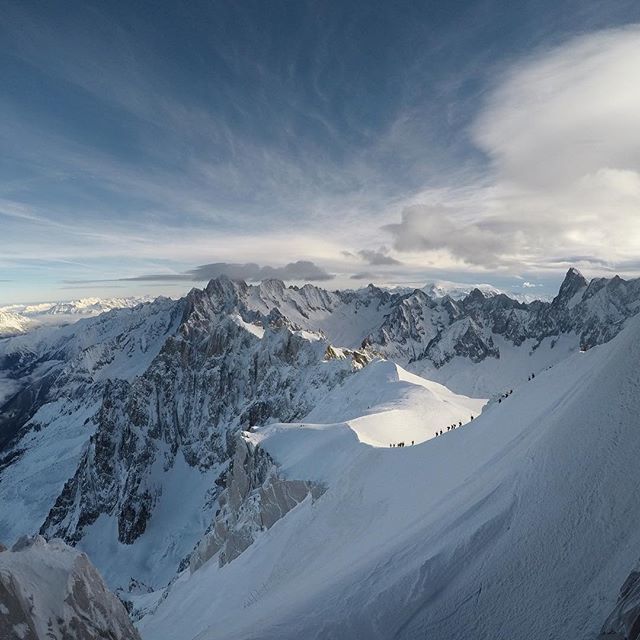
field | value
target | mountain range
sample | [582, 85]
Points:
[20, 318]
[261, 461]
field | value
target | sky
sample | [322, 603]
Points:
[146, 147]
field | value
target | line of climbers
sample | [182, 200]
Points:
[451, 427]
[400, 444]
[500, 399]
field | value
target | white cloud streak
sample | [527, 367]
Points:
[562, 136]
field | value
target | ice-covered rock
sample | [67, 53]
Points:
[255, 498]
[49, 591]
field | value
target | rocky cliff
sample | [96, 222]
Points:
[51, 591]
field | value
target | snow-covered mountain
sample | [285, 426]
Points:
[190, 442]
[521, 524]
[49, 590]
[138, 406]
[12, 324]
[458, 291]
[20, 318]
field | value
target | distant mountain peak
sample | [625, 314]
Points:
[573, 282]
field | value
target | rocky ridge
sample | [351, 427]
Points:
[254, 499]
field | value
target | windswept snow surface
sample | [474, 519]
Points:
[493, 376]
[522, 524]
[384, 404]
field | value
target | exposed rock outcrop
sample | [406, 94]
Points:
[624, 621]
[255, 498]
[51, 591]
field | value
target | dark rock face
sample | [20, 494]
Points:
[573, 283]
[49, 590]
[624, 621]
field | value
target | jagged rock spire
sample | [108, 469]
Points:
[572, 283]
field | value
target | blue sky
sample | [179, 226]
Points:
[148, 146]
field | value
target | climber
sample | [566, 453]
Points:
[460, 423]
[472, 417]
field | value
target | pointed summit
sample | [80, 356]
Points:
[573, 282]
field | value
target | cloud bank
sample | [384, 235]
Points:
[301, 270]
[379, 257]
[562, 138]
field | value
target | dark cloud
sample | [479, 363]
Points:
[429, 227]
[365, 275]
[377, 257]
[104, 284]
[299, 270]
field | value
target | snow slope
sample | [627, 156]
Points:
[385, 404]
[522, 524]
[492, 376]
